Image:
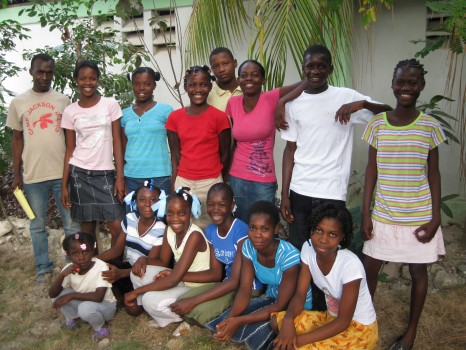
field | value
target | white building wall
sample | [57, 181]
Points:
[375, 55]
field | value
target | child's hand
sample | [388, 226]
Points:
[112, 274]
[183, 307]
[344, 112]
[60, 301]
[367, 229]
[285, 209]
[130, 298]
[426, 232]
[139, 267]
[286, 339]
[70, 269]
[162, 274]
[119, 190]
[65, 198]
[226, 329]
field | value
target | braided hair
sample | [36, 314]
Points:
[140, 70]
[333, 211]
[197, 69]
[410, 63]
[267, 208]
[81, 237]
[221, 187]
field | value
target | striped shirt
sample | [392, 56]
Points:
[403, 194]
[286, 256]
[137, 246]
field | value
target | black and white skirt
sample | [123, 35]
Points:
[91, 195]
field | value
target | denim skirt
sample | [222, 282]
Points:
[91, 195]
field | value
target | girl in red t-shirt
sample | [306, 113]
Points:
[199, 139]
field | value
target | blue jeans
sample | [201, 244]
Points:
[247, 192]
[37, 195]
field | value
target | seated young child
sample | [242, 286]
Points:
[157, 287]
[141, 236]
[79, 290]
[225, 236]
[276, 264]
[350, 322]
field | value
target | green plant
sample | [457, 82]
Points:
[128, 10]
[9, 30]
[84, 39]
[433, 109]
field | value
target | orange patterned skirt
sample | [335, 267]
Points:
[356, 336]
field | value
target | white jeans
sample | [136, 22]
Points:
[157, 303]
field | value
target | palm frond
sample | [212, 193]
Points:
[213, 23]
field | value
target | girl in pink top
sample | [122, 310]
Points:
[252, 172]
[93, 139]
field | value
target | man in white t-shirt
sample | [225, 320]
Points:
[317, 156]
[38, 143]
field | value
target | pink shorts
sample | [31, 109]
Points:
[398, 243]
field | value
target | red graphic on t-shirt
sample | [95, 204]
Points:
[44, 120]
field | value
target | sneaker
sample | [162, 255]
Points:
[100, 334]
[183, 329]
[70, 324]
[41, 279]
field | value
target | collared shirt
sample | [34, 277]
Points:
[219, 98]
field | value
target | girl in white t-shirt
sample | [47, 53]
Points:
[350, 321]
[80, 291]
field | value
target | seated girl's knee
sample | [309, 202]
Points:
[86, 308]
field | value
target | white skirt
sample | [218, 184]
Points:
[396, 243]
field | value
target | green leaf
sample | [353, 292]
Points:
[138, 61]
[450, 196]
[446, 209]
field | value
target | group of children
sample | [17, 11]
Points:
[242, 249]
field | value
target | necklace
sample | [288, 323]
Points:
[150, 228]
[149, 106]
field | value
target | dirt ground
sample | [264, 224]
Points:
[29, 322]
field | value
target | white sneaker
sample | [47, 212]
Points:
[153, 324]
[183, 329]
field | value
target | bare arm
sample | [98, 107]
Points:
[17, 147]
[124, 142]
[228, 327]
[287, 170]
[96, 296]
[224, 149]
[116, 251]
[287, 335]
[184, 306]
[369, 185]
[193, 246]
[214, 274]
[433, 175]
[119, 190]
[70, 141]
[175, 154]
[287, 95]
[344, 112]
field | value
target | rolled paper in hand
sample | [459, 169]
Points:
[24, 203]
